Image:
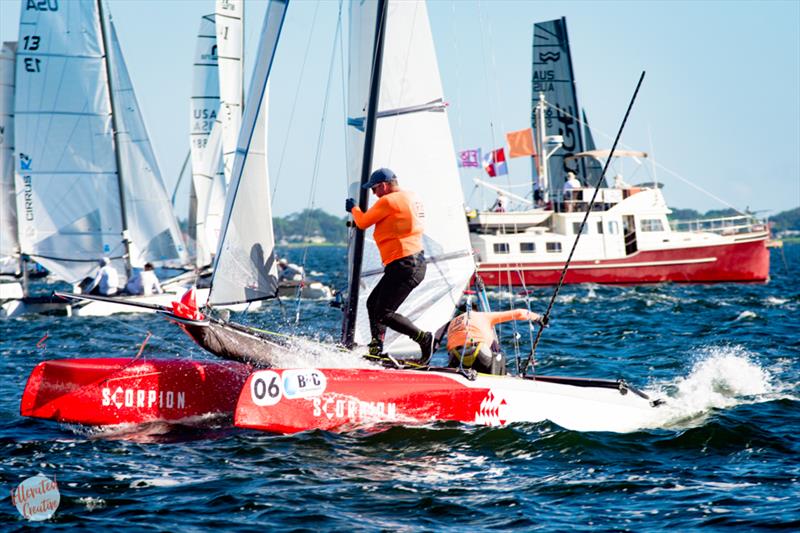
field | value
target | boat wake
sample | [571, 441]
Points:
[721, 378]
[308, 353]
[190, 428]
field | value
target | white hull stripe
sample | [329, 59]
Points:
[557, 266]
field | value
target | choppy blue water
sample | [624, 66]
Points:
[725, 355]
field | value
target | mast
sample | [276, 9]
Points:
[544, 179]
[348, 327]
[125, 237]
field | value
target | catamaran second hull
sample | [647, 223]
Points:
[112, 391]
[293, 400]
[232, 341]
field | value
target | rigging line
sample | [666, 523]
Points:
[580, 230]
[530, 323]
[317, 159]
[657, 164]
[128, 325]
[344, 125]
[294, 103]
[496, 96]
[697, 187]
[180, 178]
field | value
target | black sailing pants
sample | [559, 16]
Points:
[400, 277]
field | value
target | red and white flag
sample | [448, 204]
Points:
[494, 163]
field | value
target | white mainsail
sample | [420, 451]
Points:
[9, 241]
[413, 139]
[205, 147]
[230, 45]
[69, 204]
[245, 268]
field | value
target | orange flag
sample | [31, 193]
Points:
[520, 143]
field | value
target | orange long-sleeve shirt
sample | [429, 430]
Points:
[481, 326]
[397, 217]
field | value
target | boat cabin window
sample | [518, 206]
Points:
[501, 248]
[576, 226]
[553, 247]
[527, 247]
[599, 227]
[613, 227]
[652, 224]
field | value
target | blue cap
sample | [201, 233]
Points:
[379, 176]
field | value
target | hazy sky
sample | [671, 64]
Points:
[720, 106]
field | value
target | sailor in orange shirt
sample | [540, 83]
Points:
[471, 340]
[397, 217]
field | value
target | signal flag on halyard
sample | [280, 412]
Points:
[494, 163]
[469, 158]
[520, 143]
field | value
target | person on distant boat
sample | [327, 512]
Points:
[106, 281]
[569, 196]
[145, 282]
[499, 205]
[289, 271]
[398, 220]
[472, 343]
[620, 183]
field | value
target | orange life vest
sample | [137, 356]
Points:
[397, 217]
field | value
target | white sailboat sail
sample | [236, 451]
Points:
[553, 76]
[245, 268]
[212, 206]
[204, 108]
[68, 203]
[154, 231]
[413, 139]
[70, 206]
[9, 241]
[230, 45]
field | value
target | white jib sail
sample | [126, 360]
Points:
[413, 139]
[9, 242]
[68, 202]
[245, 268]
[204, 106]
[230, 45]
[153, 228]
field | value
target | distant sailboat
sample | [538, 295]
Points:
[206, 146]
[88, 179]
[229, 16]
[215, 125]
[11, 268]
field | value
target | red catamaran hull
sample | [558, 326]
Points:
[740, 261]
[124, 391]
[293, 400]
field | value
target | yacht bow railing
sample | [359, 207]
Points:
[732, 225]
